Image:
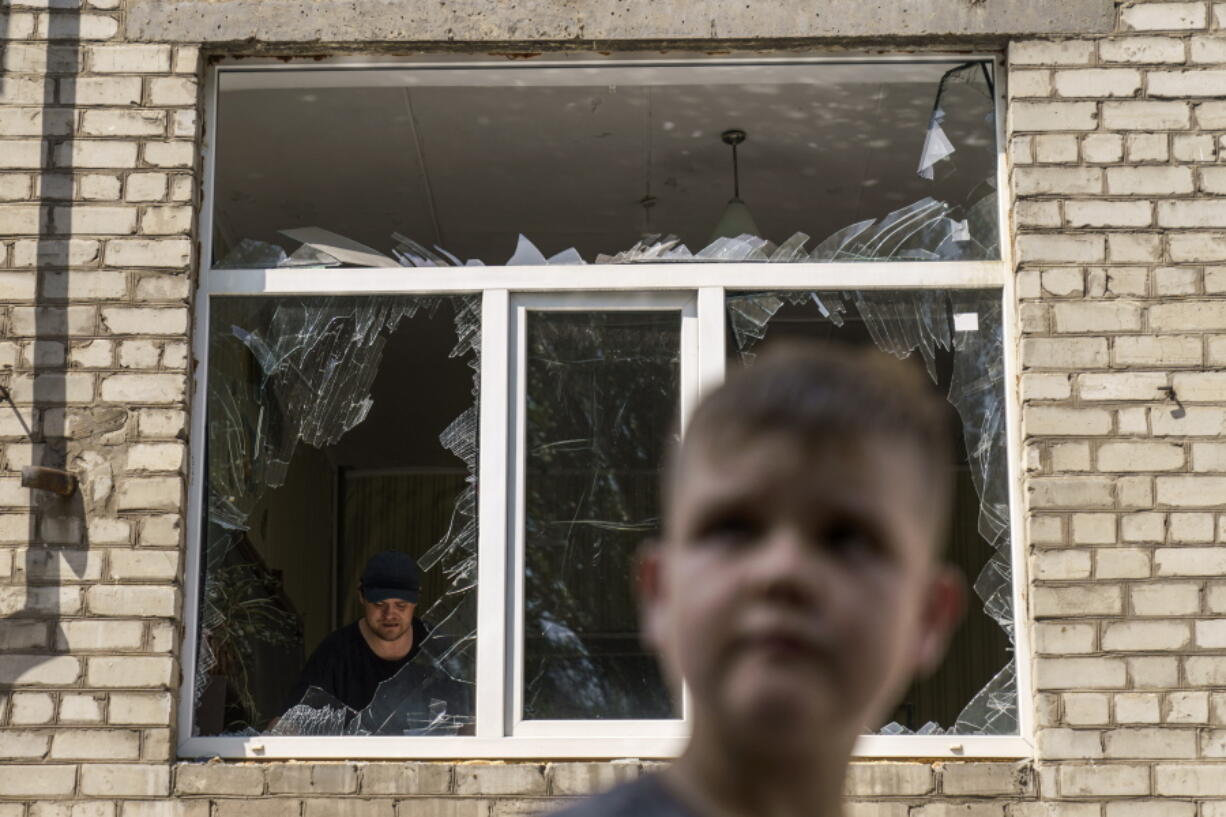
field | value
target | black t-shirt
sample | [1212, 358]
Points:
[345, 667]
[645, 797]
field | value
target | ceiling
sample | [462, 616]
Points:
[468, 159]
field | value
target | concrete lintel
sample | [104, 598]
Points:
[500, 21]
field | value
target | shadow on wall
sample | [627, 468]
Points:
[44, 590]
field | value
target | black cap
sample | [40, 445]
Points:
[391, 575]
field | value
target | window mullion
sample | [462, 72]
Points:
[492, 493]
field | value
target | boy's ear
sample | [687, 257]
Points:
[649, 584]
[943, 610]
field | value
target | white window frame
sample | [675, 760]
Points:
[698, 290]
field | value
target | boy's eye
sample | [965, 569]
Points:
[850, 540]
[730, 529]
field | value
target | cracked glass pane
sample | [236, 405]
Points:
[625, 163]
[322, 452]
[956, 336]
[602, 397]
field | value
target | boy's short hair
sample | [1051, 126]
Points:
[823, 392]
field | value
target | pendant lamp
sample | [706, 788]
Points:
[736, 219]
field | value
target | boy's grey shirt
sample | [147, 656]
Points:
[645, 797]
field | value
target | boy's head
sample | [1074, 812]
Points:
[798, 586]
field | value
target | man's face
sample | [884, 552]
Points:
[796, 590]
[388, 620]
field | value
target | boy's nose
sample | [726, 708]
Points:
[789, 569]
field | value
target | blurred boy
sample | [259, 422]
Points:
[797, 587]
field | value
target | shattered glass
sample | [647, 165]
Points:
[602, 397]
[957, 334]
[285, 371]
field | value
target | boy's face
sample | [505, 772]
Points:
[796, 590]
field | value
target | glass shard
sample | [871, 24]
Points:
[958, 337]
[289, 379]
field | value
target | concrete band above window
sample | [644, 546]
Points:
[339, 21]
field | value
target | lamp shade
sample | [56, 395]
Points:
[736, 220]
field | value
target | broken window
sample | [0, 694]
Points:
[591, 163]
[322, 452]
[956, 336]
[603, 215]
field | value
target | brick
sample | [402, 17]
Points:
[1070, 457]
[1155, 350]
[1102, 147]
[219, 779]
[1142, 50]
[129, 672]
[1165, 599]
[1209, 457]
[406, 778]
[1079, 600]
[143, 388]
[1146, 636]
[565, 779]
[75, 636]
[1191, 491]
[515, 778]
[166, 220]
[313, 778]
[92, 153]
[1070, 492]
[1029, 83]
[1032, 181]
[1076, 744]
[1140, 457]
[165, 808]
[1093, 528]
[1061, 249]
[82, 709]
[1122, 386]
[1097, 316]
[129, 565]
[1172, 561]
[1157, 180]
[1194, 148]
[23, 745]
[128, 600]
[123, 123]
[128, 59]
[1196, 421]
[43, 780]
[1177, 281]
[38, 670]
[1055, 420]
[1121, 563]
[170, 154]
[1086, 709]
[267, 807]
[1184, 84]
[31, 708]
[146, 187]
[96, 744]
[333, 807]
[1163, 17]
[1190, 316]
[1197, 247]
[23, 635]
[1148, 147]
[140, 252]
[1213, 180]
[1049, 52]
[1064, 353]
[1211, 634]
[1098, 82]
[141, 709]
[125, 780]
[173, 91]
[1191, 527]
[100, 91]
[1099, 780]
[1196, 780]
[1099, 213]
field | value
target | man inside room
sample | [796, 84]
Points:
[371, 661]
